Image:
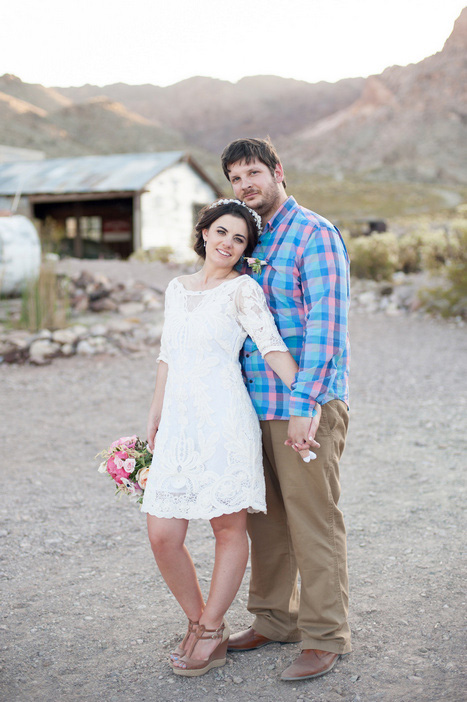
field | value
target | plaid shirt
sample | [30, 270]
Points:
[306, 284]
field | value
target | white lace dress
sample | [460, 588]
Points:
[207, 456]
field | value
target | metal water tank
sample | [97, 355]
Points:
[20, 253]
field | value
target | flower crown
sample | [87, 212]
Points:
[255, 215]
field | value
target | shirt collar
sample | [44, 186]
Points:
[281, 214]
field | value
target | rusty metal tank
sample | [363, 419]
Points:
[20, 253]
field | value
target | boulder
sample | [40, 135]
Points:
[43, 349]
[84, 348]
[120, 326]
[43, 334]
[80, 330]
[21, 339]
[104, 304]
[131, 309]
[98, 330]
[153, 332]
[67, 350]
[65, 336]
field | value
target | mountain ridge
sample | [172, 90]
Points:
[408, 122]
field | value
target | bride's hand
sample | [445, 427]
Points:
[302, 433]
[153, 426]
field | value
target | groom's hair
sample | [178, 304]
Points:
[248, 150]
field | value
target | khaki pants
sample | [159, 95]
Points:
[302, 532]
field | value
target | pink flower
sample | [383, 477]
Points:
[129, 465]
[128, 441]
[116, 466]
[142, 477]
[132, 488]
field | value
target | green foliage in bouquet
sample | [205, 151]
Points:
[127, 462]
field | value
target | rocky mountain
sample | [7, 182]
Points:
[97, 125]
[47, 99]
[407, 123]
[100, 125]
[209, 112]
[27, 126]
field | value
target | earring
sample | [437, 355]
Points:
[204, 243]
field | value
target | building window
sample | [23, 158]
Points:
[71, 226]
[90, 228]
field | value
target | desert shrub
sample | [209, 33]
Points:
[450, 299]
[428, 248]
[410, 252]
[52, 234]
[345, 233]
[158, 253]
[374, 256]
[45, 301]
[435, 249]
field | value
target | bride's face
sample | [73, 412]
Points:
[226, 240]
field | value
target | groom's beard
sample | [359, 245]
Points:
[265, 202]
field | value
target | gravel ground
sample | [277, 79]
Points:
[87, 616]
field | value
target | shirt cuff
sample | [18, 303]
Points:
[301, 408]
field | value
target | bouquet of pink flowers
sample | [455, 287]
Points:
[127, 461]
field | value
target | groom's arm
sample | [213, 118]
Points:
[324, 278]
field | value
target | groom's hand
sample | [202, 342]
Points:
[302, 432]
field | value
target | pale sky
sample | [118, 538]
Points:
[70, 42]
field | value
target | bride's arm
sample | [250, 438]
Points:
[155, 410]
[283, 364]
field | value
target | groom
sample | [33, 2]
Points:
[305, 278]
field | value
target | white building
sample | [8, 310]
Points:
[113, 205]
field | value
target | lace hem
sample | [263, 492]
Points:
[199, 514]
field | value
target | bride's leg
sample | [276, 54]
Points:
[230, 562]
[167, 538]
[229, 567]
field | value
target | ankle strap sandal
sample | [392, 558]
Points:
[193, 667]
[181, 648]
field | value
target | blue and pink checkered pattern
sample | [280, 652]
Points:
[306, 283]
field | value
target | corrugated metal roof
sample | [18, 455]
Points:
[84, 174]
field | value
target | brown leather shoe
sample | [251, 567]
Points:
[249, 640]
[311, 663]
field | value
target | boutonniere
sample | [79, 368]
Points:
[255, 264]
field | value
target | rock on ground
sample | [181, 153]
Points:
[86, 616]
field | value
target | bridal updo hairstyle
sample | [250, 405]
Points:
[209, 214]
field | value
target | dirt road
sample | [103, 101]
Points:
[86, 616]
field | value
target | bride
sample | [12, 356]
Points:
[203, 430]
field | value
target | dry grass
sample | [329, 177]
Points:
[44, 301]
[345, 201]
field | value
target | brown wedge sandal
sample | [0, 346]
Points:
[217, 659]
[181, 648]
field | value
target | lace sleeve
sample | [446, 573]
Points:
[163, 354]
[163, 351]
[254, 316]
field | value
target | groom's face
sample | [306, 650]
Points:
[255, 184]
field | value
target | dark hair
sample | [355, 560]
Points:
[209, 214]
[248, 150]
